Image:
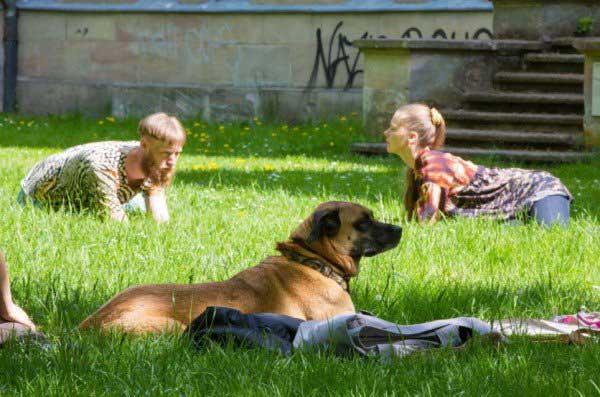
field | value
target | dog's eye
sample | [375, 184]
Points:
[362, 226]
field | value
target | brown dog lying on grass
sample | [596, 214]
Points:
[308, 280]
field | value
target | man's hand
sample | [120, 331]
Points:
[14, 313]
[156, 204]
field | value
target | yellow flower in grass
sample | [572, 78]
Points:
[110, 119]
[21, 122]
[246, 128]
[100, 122]
[331, 144]
[268, 167]
[273, 134]
[211, 166]
[240, 161]
[221, 128]
[30, 123]
[226, 145]
[295, 129]
[196, 124]
[342, 118]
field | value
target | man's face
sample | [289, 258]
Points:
[160, 158]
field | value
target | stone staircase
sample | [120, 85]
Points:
[533, 114]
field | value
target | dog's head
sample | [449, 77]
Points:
[343, 233]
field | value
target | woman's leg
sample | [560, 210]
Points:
[552, 210]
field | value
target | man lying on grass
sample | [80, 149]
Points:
[104, 176]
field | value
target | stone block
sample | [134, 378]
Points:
[263, 66]
[460, 26]
[92, 27]
[99, 61]
[332, 103]
[288, 29]
[290, 105]
[211, 65]
[43, 98]
[42, 26]
[214, 29]
[379, 106]
[135, 101]
[387, 70]
[45, 58]
[140, 101]
[536, 19]
[304, 57]
[442, 78]
[228, 104]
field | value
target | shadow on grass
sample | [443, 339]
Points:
[363, 184]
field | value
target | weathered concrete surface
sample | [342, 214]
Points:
[438, 73]
[542, 19]
[43, 98]
[217, 53]
[591, 123]
[228, 104]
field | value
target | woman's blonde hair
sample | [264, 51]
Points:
[430, 127]
[163, 127]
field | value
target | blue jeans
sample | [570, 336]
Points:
[136, 204]
[551, 210]
[23, 199]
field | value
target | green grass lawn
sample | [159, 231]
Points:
[239, 189]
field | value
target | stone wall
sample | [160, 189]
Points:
[217, 65]
[543, 19]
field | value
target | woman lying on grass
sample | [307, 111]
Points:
[103, 176]
[439, 183]
[13, 320]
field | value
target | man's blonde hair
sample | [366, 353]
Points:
[163, 127]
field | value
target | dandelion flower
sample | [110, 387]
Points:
[111, 119]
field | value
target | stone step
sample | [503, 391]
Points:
[537, 138]
[554, 57]
[513, 118]
[539, 78]
[538, 156]
[519, 97]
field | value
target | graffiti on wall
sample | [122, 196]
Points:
[323, 60]
[341, 55]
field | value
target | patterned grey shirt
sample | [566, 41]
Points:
[90, 176]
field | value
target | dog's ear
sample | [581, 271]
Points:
[325, 223]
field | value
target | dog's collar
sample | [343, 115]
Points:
[320, 265]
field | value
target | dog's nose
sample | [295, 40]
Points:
[397, 230]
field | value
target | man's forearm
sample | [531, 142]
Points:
[156, 204]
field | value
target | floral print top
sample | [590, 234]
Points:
[452, 186]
